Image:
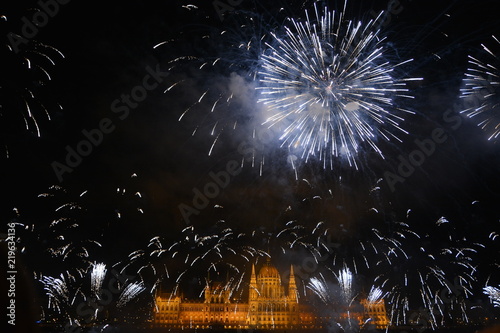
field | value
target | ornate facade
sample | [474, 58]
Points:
[269, 306]
[376, 312]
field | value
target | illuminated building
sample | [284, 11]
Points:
[376, 312]
[269, 306]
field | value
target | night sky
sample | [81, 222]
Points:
[108, 49]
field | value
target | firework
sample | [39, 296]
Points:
[57, 292]
[443, 275]
[340, 299]
[480, 92]
[196, 254]
[395, 265]
[213, 79]
[411, 269]
[130, 292]
[375, 295]
[344, 278]
[326, 88]
[74, 280]
[494, 295]
[388, 260]
[337, 259]
[96, 278]
[319, 288]
[330, 89]
[95, 291]
[25, 71]
[56, 235]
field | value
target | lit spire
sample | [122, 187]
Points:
[253, 278]
[292, 286]
[253, 284]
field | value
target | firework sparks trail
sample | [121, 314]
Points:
[481, 89]
[56, 291]
[24, 73]
[382, 255]
[319, 288]
[97, 278]
[494, 295]
[444, 278]
[339, 299]
[130, 292]
[375, 295]
[195, 252]
[57, 235]
[220, 74]
[68, 293]
[407, 259]
[404, 266]
[432, 269]
[344, 278]
[330, 89]
[327, 88]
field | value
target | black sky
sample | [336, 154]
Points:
[107, 48]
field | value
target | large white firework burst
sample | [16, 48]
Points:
[480, 91]
[330, 88]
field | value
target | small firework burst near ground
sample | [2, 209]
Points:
[90, 296]
[480, 91]
[329, 88]
[494, 295]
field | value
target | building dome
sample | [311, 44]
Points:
[268, 270]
